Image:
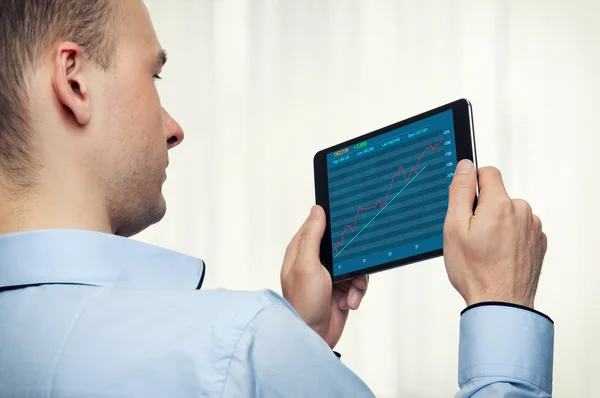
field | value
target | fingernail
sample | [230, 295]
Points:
[465, 166]
[355, 299]
[314, 213]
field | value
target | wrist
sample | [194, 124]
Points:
[519, 301]
[505, 304]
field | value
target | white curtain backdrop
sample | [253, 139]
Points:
[259, 86]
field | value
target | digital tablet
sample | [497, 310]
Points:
[385, 193]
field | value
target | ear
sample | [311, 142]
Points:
[69, 81]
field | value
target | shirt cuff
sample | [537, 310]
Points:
[506, 340]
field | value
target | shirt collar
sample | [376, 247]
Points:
[93, 258]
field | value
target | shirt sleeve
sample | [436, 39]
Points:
[278, 355]
[505, 350]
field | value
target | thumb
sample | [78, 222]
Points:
[309, 237]
[462, 194]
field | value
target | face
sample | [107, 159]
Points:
[136, 132]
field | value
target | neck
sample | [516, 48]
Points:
[65, 202]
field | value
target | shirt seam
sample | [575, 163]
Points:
[239, 339]
[61, 355]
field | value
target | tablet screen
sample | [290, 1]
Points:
[388, 195]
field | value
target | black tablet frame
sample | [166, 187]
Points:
[464, 133]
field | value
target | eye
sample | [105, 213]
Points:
[156, 77]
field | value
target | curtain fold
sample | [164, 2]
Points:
[259, 86]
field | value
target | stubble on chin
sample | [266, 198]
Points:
[134, 211]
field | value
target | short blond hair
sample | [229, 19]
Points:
[28, 28]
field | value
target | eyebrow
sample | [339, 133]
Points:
[161, 58]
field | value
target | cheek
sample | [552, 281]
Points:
[137, 100]
[144, 112]
[136, 126]
[153, 134]
[151, 109]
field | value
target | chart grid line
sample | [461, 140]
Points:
[382, 209]
[379, 203]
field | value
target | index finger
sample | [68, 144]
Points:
[491, 185]
[361, 282]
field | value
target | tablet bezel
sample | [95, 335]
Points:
[465, 149]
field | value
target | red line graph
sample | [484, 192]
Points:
[379, 203]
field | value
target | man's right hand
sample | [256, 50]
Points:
[495, 254]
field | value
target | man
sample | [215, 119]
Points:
[87, 312]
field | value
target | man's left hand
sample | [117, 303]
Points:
[307, 286]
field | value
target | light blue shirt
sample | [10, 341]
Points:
[85, 314]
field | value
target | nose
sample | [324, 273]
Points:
[173, 130]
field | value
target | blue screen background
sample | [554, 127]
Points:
[388, 195]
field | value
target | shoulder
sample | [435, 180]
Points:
[197, 335]
[140, 342]
[258, 300]
[194, 333]
[203, 317]
[194, 308]
[239, 309]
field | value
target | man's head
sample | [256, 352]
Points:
[82, 130]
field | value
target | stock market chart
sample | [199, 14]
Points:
[388, 195]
